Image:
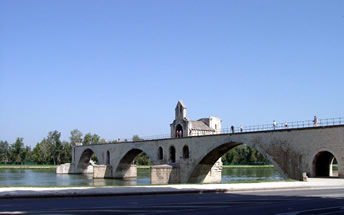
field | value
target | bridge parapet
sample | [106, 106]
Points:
[287, 125]
[328, 122]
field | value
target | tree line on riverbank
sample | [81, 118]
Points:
[52, 150]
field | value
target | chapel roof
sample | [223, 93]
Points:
[199, 125]
[181, 103]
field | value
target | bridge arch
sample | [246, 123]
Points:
[200, 171]
[84, 160]
[123, 168]
[322, 163]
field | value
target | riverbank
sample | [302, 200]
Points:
[228, 166]
[28, 166]
[247, 166]
[139, 166]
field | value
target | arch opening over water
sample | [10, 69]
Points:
[236, 154]
[127, 167]
[87, 160]
[325, 165]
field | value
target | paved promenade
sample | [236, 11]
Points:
[35, 192]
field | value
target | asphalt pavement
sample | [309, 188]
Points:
[278, 202]
[317, 196]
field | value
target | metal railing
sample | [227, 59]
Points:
[264, 127]
[286, 125]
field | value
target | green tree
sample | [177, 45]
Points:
[55, 145]
[25, 155]
[136, 138]
[113, 141]
[142, 158]
[87, 139]
[46, 151]
[76, 137]
[95, 139]
[102, 141]
[90, 139]
[244, 154]
[16, 150]
[66, 156]
[37, 155]
[4, 151]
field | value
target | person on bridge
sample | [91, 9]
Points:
[274, 124]
[286, 124]
[232, 128]
[241, 128]
[315, 121]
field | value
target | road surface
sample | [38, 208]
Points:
[306, 201]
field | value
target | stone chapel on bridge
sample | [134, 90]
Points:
[182, 126]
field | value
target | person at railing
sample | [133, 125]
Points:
[315, 121]
[286, 124]
[241, 128]
[274, 124]
[232, 128]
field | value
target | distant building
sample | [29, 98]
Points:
[183, 126]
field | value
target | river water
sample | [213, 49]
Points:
[47, 177]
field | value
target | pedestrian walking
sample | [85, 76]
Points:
[274, 124]
[232, 128]
[241, 128]
[315, 121]
[286, 124]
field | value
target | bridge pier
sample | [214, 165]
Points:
[125, 171]
[165, 174]
[179, 173]
[102, 171]
[214, 176]
[70, 168]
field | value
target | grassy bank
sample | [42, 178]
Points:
[227, 166]
[143, 167]
[259, 181]
[248, 166]
[27, 166]
[140, 167]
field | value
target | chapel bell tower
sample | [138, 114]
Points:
[180, 110]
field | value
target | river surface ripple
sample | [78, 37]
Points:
[47, 177]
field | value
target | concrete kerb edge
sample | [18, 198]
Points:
[108, 194]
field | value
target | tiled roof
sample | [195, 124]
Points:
[199, 125]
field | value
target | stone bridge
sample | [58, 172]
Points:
[194, 159]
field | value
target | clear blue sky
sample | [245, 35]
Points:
[118, 68]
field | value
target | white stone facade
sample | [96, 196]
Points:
[182, 126]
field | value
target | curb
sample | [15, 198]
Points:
[20, 194]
